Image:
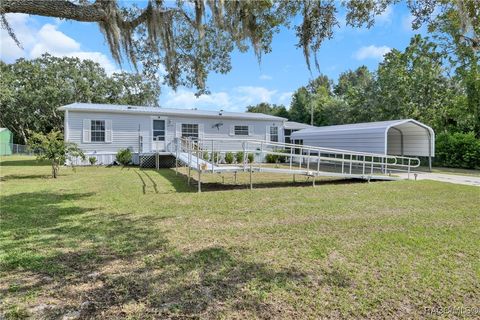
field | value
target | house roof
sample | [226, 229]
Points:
[115, 108]
[380, 125]
[296, 125]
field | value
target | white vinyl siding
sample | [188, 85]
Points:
[127, 130]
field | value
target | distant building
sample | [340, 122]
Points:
[6, 142]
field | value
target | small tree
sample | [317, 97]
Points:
[52, 147]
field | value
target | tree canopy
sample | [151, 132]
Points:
[417, 82]
[32, 90]
[192, 38]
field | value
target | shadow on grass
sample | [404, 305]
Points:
[195, 284]
[24, 162]
[24, 177]
[179, 182]
[97, 263]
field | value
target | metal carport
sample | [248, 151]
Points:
[406, 137]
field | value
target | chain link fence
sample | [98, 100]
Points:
[7, 149]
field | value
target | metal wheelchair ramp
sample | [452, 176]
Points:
[208, 156]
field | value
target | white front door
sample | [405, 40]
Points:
[158, 135]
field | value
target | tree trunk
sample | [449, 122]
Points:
[54, 170]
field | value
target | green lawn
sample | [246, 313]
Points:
[111, 242]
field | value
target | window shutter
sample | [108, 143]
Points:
[250, 130]
[232, 130]
[86, 130]
[267, 133]
[178, 130]
[108, 130]
[201, 131]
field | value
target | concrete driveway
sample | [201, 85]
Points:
[443, 177]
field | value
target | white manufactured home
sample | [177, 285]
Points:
[101, 130]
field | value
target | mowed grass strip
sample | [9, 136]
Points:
[124, 242]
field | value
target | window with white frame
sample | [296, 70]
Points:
[274, 134]
[241, 130]
[190, 130]
[97, 129]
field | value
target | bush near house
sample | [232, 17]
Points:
[239, 157]
[124, 157]
[276, 158]
[457, 150]
[229, 157]
[92, 160]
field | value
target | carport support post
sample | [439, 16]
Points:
[430, 163]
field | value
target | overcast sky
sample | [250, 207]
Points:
[280, 73]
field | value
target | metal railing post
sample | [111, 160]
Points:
[363, 165]
[176, 156]
[291, 157]
[189, 158]
[212, 158]
[408, 169]
[244, 146]
[318, 162]
[343, 162]
[251, 184]
[308, 161]
[351, 156]
[199, 171]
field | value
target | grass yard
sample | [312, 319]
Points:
[111, 242]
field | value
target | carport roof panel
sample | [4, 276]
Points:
[380, 125]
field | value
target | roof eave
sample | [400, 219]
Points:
[71, 107]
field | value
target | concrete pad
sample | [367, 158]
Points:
[451, 178]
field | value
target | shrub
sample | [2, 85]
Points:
[457, 150]
[276, 158]
[124, 157]
[215, 157]
[206, 156]
[239, 157]
[92, 160]
[229, 157]
[251, 157]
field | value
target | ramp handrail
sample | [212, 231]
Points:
[306, 155]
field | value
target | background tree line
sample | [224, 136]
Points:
[435, 80]
[32, 90]
[414, 83]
